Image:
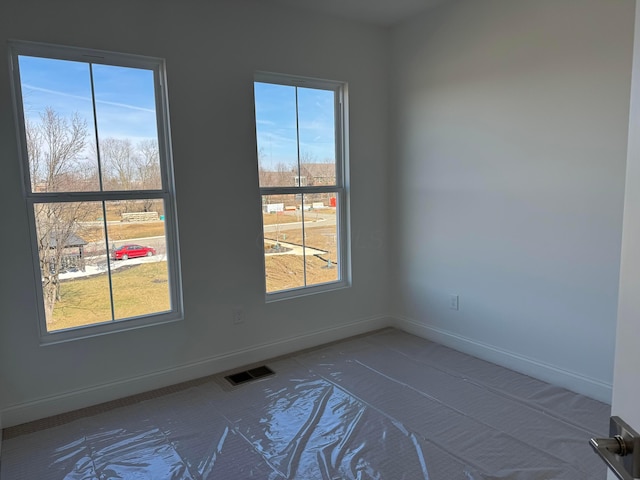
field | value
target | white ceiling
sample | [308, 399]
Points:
[380, 12]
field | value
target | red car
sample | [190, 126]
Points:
[132, 251]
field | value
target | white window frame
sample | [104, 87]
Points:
[341, 187]
[165, 193]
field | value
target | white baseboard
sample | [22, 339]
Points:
[52, 405]
[557, 376]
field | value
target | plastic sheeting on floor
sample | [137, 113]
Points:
[387, 406]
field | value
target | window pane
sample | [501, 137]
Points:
[316, 120]
[282, 218]
[321, 238]
[127, 128]
[73, 264]
[56, 98]
[138, 256]
[276, 135]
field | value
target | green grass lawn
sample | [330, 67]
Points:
[123, 231]
[137, 290]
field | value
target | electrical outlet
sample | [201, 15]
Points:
[454, 302]
[237, 315]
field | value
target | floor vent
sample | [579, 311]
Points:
[249, 375]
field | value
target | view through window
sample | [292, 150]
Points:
[300, 139]
[98, 184]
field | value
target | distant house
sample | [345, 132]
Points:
[310, 175]
[316, 174]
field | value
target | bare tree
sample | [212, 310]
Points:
[57, 225]
[55, 146]
[264, 175]
[148, 165]
[34, 150]
[118, 163]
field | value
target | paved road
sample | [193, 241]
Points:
[311, 220]
[97, 265]
[97, 249]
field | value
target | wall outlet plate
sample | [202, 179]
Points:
[454, 302]
[237, 315]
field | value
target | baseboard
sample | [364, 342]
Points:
[573, 381]
[53, 405]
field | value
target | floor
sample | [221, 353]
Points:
[387, 405]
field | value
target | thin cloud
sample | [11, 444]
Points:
[266, 122]
[79, 97]
[125, 105]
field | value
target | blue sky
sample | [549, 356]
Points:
[125, 107]
[125, 101]
[276, 124]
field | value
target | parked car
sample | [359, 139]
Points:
[132, 251]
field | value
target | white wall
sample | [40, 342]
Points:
[212, 50]
[507, 174]
[509, 161]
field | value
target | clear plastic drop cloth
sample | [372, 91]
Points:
[386, 406]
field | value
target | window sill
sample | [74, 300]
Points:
[305, 291]
[81, 333]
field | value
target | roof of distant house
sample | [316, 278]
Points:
[72, 241]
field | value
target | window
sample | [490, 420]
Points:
[98, 182]
[301, 140]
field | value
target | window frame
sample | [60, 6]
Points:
[341, 187]
[166, 193]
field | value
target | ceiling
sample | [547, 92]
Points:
[379, 12]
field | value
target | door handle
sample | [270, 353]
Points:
[621, 452]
